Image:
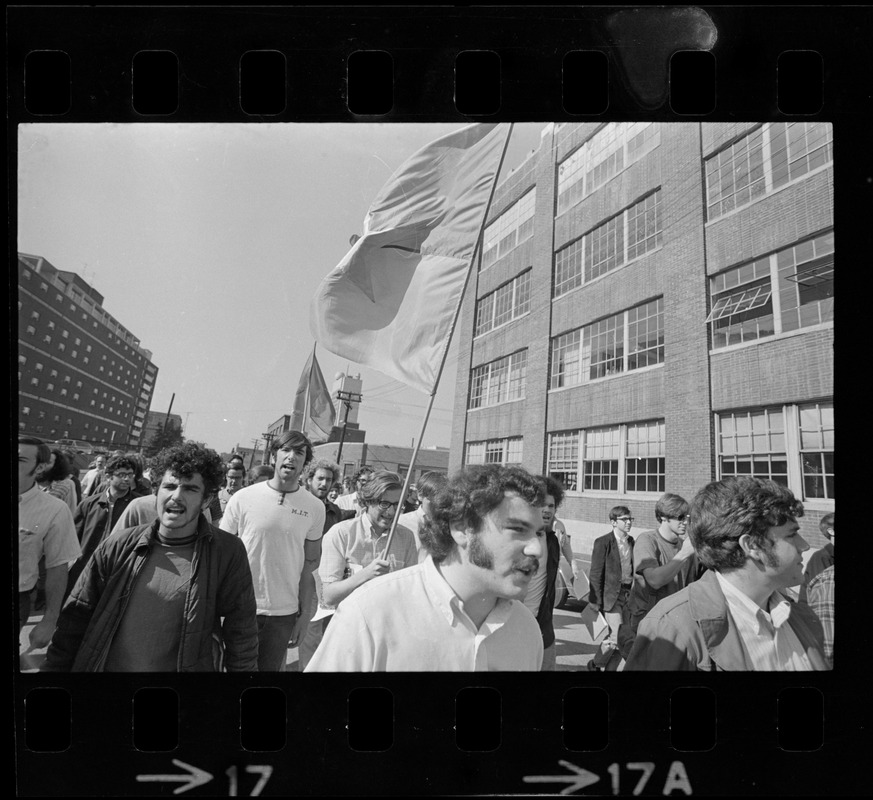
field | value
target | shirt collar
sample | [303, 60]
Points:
[452, 607]
[778, 608]
[368, 528]
[32, 492]
[621, 538]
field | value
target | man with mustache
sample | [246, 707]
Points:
[173, 595]
[460, 609]
[280, 525]
[735, 617]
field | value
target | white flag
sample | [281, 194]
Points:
[390, 302]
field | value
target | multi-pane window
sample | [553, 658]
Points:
[645, 461]
[792, 445]
[627, 341]
[620, 239]
[498, 381]
[615, 458]
[505, 303]
[743, 306]
[601, 453]
[817, 450]
[753, 443]
[509, 230]
[496, 451]
[602, 157]
[763, 161]
[563, 458]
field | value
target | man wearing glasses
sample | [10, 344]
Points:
[611, 579]
[96, 515]
[353, 551]
[664, 559]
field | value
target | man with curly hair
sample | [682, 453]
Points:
[460, 609]
[735, 617]
[174, 595]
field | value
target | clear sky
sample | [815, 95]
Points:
[208, 241]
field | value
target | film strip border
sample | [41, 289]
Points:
[386, 735]
[419, 735]
[402, 64]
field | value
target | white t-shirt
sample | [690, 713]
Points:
[412, 621]
[274, 526]
[45, 528]
[412, 521]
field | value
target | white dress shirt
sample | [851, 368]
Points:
[769, 642]
[412, 621]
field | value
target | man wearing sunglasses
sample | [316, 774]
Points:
[612, 566]
[664, 559]
[353, 551]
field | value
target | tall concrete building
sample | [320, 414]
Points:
[81, 374]
[653, 310]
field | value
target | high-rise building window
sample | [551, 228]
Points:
[507, 302]
[802, 276]
[498, 381]
[631, 340]
[763, 161]
[613, 148]
[613, 243]
[509, 230]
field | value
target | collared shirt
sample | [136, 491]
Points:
[412, 520]
[45, 527]
[349, 502]
[412, 621]
[624, 552]
[353, 541]
[820, 593]
[769, 641]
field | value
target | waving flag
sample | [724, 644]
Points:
[313, 413]
[391, 301]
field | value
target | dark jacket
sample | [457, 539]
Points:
[547, 604]
[605, 575]
[220, 586]
[95, 518]
[333, 514]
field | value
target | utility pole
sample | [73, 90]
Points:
[255, 442]
[268, 440]
[348, 398]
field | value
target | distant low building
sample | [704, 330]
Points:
[385, 456]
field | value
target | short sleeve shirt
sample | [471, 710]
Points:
[45, 527]
[354, 541]
[274, 527]
[653, 550]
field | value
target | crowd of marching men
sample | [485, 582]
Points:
[190, 564]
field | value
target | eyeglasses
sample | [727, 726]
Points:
[682, 517]
[384, 505]
[625, 519]
[125, 476]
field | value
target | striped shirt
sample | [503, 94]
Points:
[769, 642]
[45, 527]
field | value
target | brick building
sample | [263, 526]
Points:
[652, 310]
[81, 374]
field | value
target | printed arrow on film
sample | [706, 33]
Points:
[580, 780]
[195, 777]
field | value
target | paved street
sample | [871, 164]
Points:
[574, 646]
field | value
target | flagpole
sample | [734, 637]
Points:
[457, 315]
